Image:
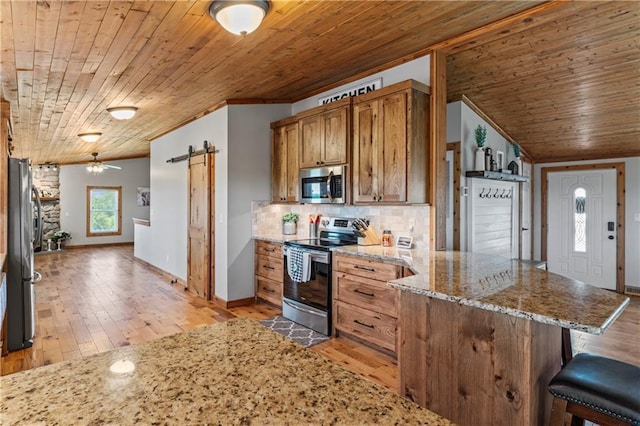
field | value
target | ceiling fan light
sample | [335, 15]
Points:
[122, 113]
[239, 17]
[90, 137]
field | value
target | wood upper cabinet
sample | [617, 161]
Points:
[324, 135]
[284, 161]
[390, 149]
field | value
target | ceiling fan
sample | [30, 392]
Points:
[96, 166]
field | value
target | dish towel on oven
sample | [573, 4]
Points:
[298, 265]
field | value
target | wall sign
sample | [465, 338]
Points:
[361, 89]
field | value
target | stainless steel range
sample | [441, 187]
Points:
[307, 274]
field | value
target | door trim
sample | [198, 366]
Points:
[620, 180]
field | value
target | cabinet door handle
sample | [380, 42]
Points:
[364, 268]
[365, 324]
[357, 290]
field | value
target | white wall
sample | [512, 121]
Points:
[461, 125]
[169, 192]
[241, 134]
[74, 180]
[632, 207]
[248, 179]
[418, 69]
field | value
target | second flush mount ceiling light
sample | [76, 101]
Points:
[239, 16]
[122, 113]
[90, 137]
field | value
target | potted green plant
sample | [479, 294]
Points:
[290, 223]
[481, 139]
[59, 237]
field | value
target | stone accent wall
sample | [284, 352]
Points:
[48, 183]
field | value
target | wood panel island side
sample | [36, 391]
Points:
[481, 336]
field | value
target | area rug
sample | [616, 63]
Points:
[293, 331]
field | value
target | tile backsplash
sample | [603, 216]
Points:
[412, 220]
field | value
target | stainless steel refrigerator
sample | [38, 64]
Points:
[21, 276]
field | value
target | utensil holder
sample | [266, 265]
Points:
[370, 238]
[313, 230]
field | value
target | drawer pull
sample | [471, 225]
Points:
[362, 323]
[268, 290]
[270, 250]
[365, 268]
[357, 290]
[268, 267]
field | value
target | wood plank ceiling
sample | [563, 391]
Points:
[64, 63]
[565, 84]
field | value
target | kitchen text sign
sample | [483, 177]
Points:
[363, 88]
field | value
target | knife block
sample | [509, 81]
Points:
[370, 238]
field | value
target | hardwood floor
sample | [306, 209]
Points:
[92, 300]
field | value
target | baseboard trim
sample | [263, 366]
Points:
[169, 277]
[82, 246]
[234, 303]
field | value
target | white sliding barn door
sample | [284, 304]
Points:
[581, 239]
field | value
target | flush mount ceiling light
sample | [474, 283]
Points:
[239, 16]
[122, 113]
[90, 137]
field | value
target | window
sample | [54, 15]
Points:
[580, 221]
[104, 210]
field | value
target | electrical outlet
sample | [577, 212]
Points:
[636, 217]
[412, 225]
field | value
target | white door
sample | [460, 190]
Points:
[449, 200]
[525, 214]
[582, 226]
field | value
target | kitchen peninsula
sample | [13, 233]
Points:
[480, 336]
[237, 372]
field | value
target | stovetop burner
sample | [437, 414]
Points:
[319, 243]
[334, 232]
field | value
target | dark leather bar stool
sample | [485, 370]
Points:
[599, 389]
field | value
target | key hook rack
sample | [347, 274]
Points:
[495, 193]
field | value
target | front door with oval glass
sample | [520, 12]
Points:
[581, 240]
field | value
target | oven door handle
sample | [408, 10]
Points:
[317, 257]
[298, 308]
[330, 186]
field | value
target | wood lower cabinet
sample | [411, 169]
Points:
[325, 134]
[268, 272]
[391, 145]
[364, 306]
[284, 161]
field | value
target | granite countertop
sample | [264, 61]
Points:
[502, 285]
[236, 372]
[279, 237]
[139, 221]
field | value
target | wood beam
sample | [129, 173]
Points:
[438, 147]
[507, 26]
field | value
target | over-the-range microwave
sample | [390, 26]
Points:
[324, 185]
